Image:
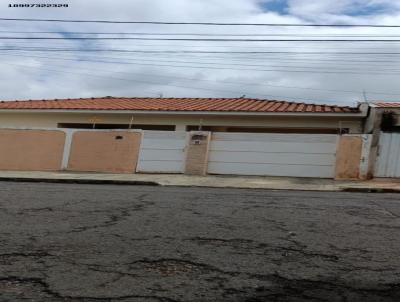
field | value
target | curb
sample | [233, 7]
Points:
[370, 190]
[154, 183]
[82, 181]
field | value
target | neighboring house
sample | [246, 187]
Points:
[383, 116]
[184, 114]
[383, 123]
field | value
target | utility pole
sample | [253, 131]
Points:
[365, 95]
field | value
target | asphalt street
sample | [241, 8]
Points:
[66, 242]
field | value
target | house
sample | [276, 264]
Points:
[200, 136]
[383, 116]
[184, 114]
[383, 124]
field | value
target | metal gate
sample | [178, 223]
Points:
[162, 152]
[298, 155]
[388, 161]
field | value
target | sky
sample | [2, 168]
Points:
[342, 73]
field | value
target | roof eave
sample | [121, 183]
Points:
[361, 113]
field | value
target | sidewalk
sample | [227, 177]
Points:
[254, 182]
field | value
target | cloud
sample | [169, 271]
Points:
[317, 76]
[308, 9]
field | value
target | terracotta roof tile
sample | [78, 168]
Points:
[300, 107]
[388, 104]
[177, 104]
[283, 107]
[292, 107]
[275, 106]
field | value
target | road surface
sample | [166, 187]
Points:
[66, 242]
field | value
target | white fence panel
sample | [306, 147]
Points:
[162, 152]
[388, 161]
[295, 155]
[274, 158]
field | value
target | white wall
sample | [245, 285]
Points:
[52, 119]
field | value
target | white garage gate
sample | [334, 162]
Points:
[388, 162]
[162, 152]
[298, 155]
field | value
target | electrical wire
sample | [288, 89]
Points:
[196, 51]
[30, 43]
[162, 84]
[223, 82]
[215, 64]
[197, 34]
[243, 58]
[204, 39]
[144, 57]
[364, 73]
[201, 23]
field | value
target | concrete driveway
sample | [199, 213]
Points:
[65, 242]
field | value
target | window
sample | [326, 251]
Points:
[269, 130]
[116, 126]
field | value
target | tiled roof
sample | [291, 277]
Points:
[388, 104]
[177, 104]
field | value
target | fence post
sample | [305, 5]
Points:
[197, 153]
[348, 157]
[365, 156]
[67, 148]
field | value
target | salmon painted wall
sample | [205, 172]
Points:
[348, 157]
[102, 151]
[31, 150]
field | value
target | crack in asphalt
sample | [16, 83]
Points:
[170, 266]
[123, 213]
[46, 289]
[26, 254]
[252, 245]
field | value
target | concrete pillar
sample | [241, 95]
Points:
[365, 156]
[67, 147]
[348, 157]
[374, 148]
[197, 153]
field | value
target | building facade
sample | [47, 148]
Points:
[184, 114]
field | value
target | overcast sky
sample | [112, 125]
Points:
[321, 76]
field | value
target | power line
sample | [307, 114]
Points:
[306, 60]
[195, 60]
[29, 43]
[241, 58]
[157, 83]
[263, 59]
[200, 23]
[271, 70]
[201, 39]
[196, 51]
[211, 63]
[196, 34]
[227, 82]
